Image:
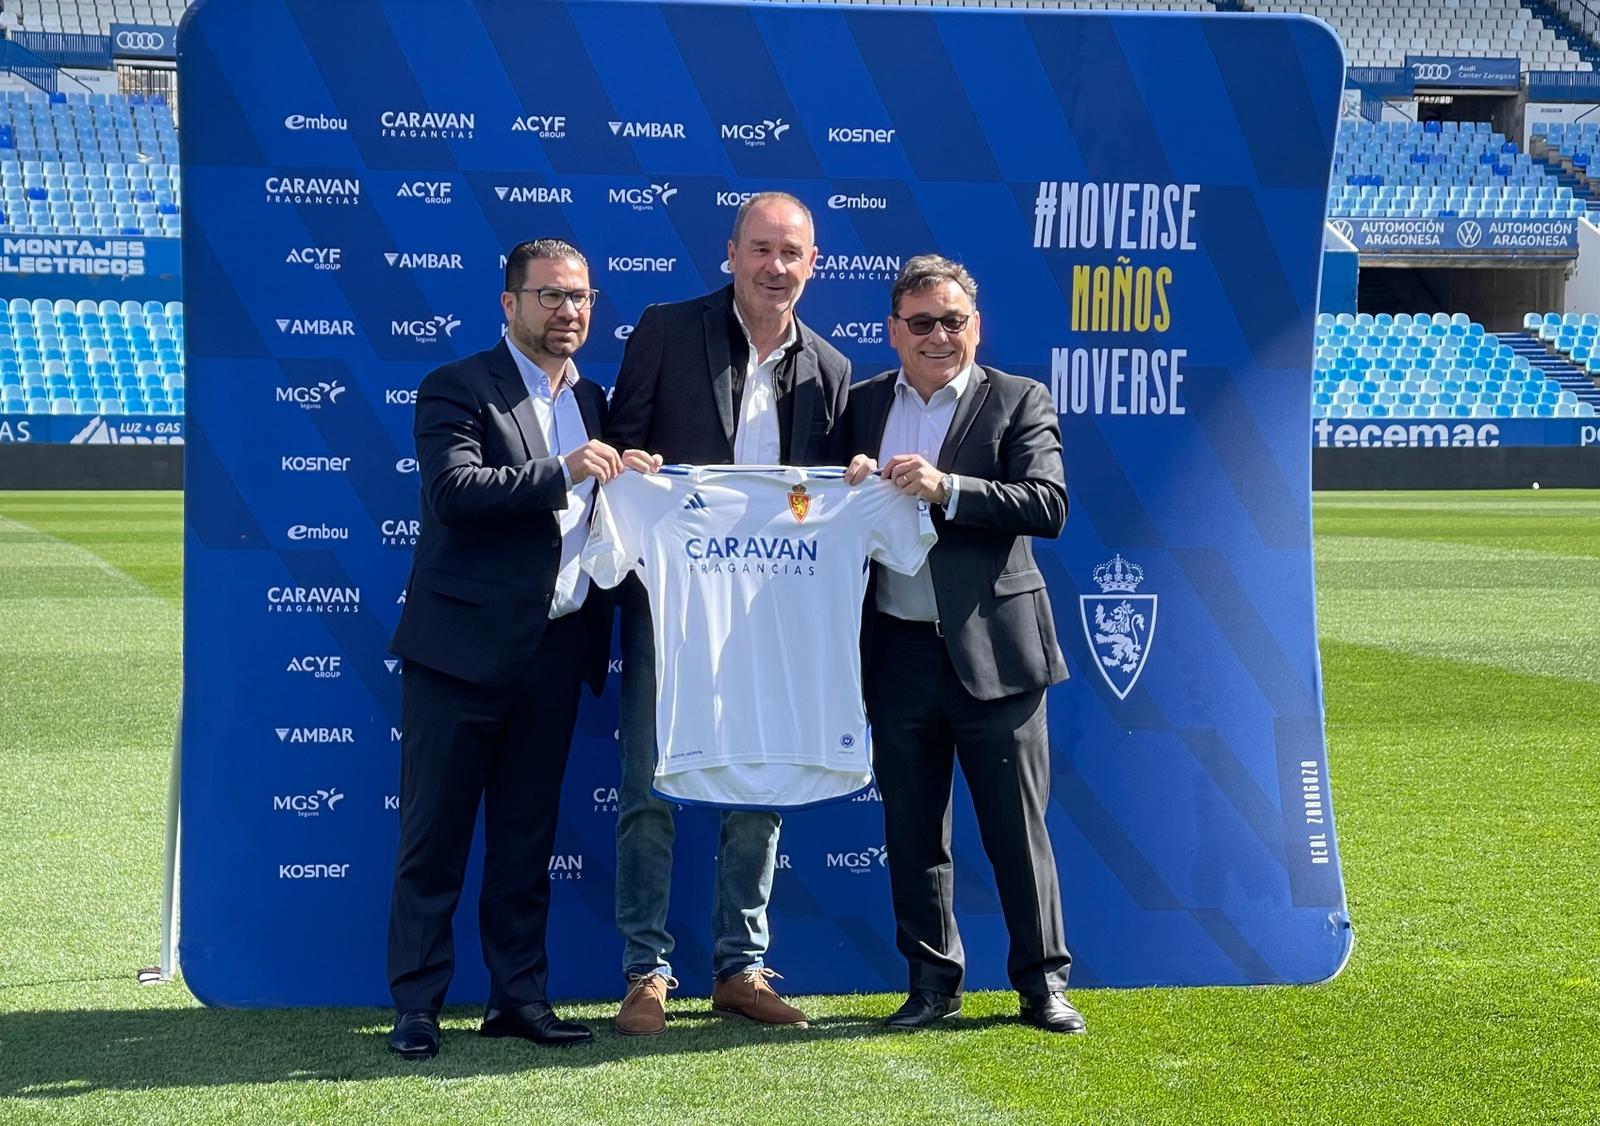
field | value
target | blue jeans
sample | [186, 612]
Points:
[746, 852]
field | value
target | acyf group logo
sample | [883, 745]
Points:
[859, 332]
[317, 257]
[756, 135]
[428, 191]
[546, 128]
[318, 668]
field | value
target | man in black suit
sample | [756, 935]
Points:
[733, 377]
[499, 632]
[957, 657]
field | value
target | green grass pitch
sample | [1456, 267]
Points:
[1461, 648]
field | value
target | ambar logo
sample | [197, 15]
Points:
[422, 260]
[648, 130]
[344, 735]
[532, 193]
[301, 326]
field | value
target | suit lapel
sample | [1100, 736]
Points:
[801, 387]
[966, 410]
[879, 418]
[514, 394]
[719, 361]
[589, 407]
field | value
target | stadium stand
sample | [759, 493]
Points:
[1567, 150]
[1431, 366]
[1409, 169]
[94, 17]
[1566, 347]
[87, 164]
[1383, 33]
[86, 357]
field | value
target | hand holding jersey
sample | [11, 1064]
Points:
[755, 576]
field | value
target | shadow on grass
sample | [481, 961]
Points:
[53, 1055]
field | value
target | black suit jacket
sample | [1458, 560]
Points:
[486, 559]
[674, 393]
[1005, 444]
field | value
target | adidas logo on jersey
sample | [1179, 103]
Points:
[696, 502]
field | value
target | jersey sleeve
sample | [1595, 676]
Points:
[625, 510]
[902, 531]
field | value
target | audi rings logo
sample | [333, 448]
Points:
[1431, 72]
[1469, 234]
[1345, 229]
[140, 41]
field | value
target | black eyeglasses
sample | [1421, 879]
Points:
[922, 324]
[552, 298]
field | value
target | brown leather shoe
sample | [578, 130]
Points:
[644, 1009]
[749, 995]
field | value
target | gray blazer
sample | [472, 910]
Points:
[994, 611]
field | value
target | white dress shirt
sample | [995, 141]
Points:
[915, 426]
[755, 439]
[561, 424]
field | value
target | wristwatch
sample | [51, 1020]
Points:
[949, 483]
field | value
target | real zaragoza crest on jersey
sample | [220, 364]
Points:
[1119, 623]
[799, 503]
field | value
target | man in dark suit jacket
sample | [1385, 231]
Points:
[733, 377]
[957, 657]
[499, 631]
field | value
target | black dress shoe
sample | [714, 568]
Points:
[923, 1008]
[535, 1021]
[1051, 1012]
[415, 1035]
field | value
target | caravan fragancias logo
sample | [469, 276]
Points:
[1119, 623]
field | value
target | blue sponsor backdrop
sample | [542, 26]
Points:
[1464, 74]
[1558, 237]
[77, 266]
[1141, 200]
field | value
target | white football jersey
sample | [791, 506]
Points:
[756, 576]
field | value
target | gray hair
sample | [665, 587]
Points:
[928, 271]
[525, 252]
[770, 197]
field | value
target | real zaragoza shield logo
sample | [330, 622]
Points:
[1119, 623]
[799, 503]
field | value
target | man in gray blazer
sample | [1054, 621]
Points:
[957, 657]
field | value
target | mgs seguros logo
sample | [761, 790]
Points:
[311, 396]
[642, 199]
[425, 330]
[756, 134]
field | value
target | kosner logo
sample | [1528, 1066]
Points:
[848, 135]
[308, 805]
[313, 871]
[427, 125]
[757, 135]
[861, 861]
